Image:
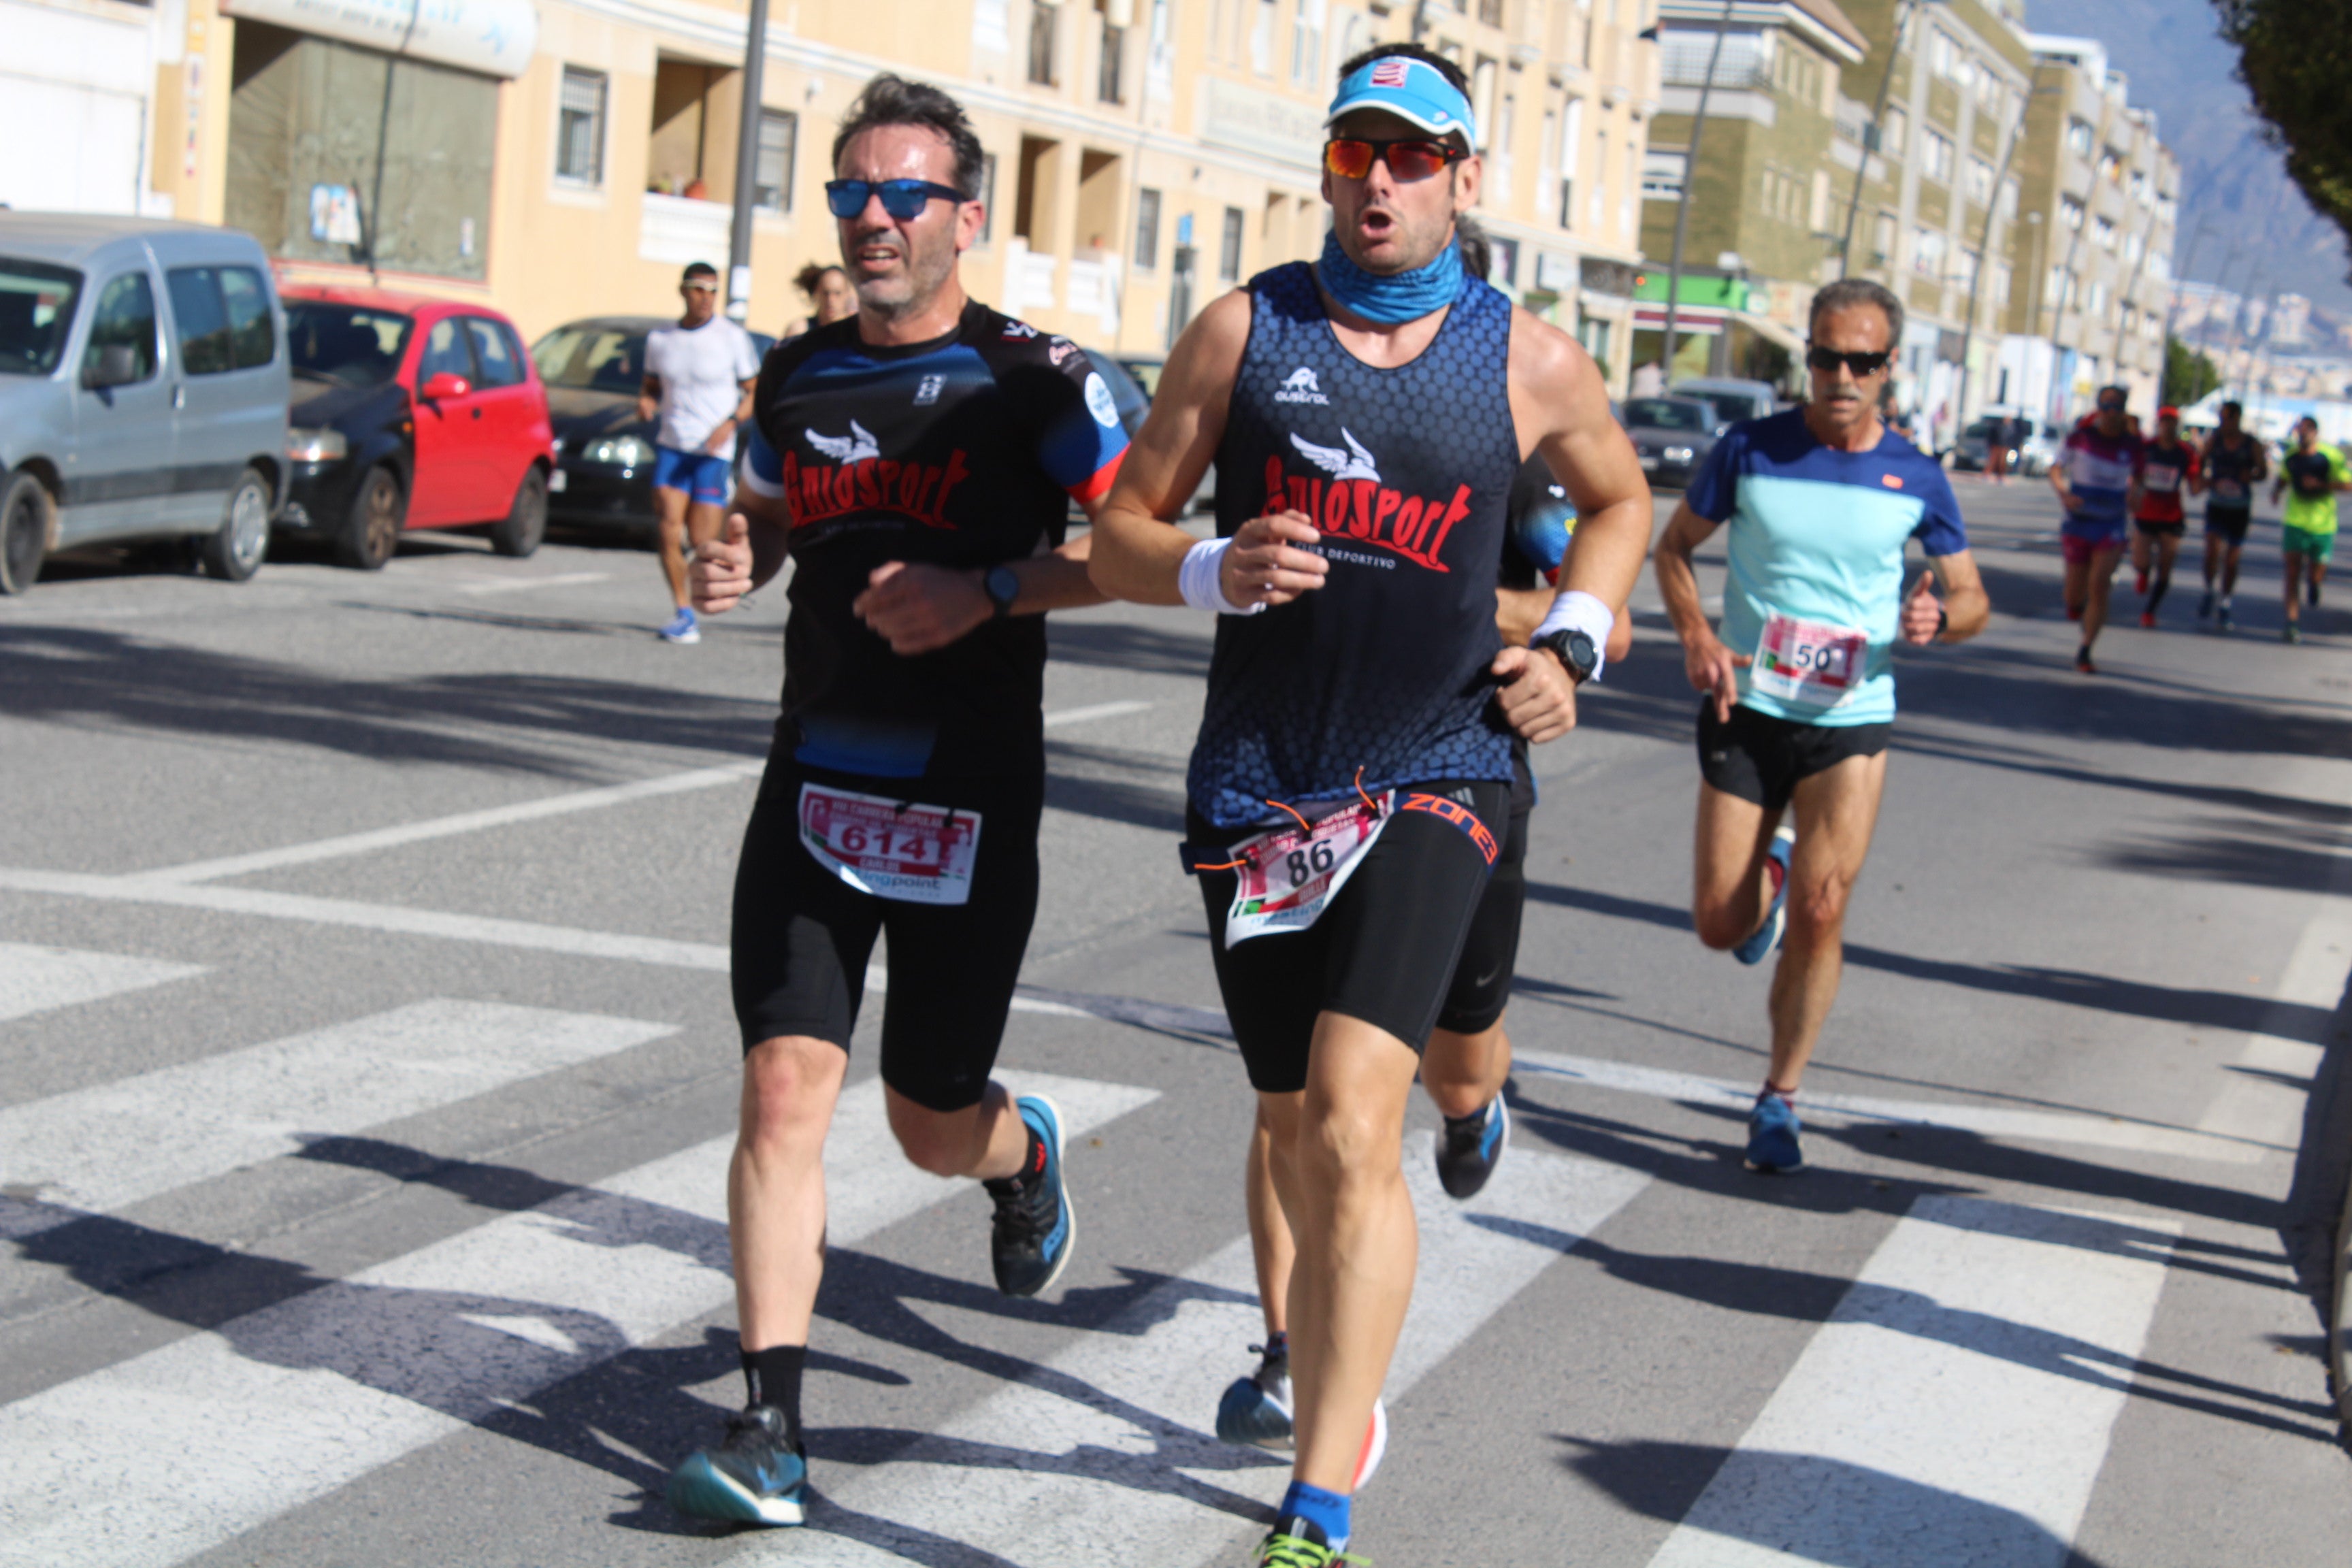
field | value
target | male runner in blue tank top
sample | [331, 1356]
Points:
[1799, 685]
[1351, 779]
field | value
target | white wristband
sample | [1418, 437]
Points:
[1578, 611]
[1198, 580]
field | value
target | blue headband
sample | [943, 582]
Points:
[1395, 296]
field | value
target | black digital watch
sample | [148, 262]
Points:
[1574, 650]
[1002, 586]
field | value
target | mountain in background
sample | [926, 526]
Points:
[2230, 182]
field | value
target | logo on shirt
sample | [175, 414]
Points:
[1353, 503]
[1059, 350]
[929, 391]
[1892, 481]
[1300, 387]
[1013, 329]
[854, 447]
[1355, 463]
[1099, 402]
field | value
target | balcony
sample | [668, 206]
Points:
[679, 229]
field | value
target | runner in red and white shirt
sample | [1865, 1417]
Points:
[2165, 470]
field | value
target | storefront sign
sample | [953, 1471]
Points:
[493, 37]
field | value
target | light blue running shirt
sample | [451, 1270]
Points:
[1816, 542]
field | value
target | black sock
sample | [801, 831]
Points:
[1032, 1164]
[772, 1376]
[2156, 595]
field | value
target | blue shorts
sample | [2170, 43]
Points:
[703, 476]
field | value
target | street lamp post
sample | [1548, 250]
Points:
[1869, 145]
[1682, 206]
[1984, 245]
[747, 166]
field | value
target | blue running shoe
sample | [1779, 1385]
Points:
[1471, 1147]
[1255, 1411]
[683, 628]
[1758, 947]
[753, 1477]
[1773, 1129]
[1030, 1244]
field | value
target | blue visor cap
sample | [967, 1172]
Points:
[1413, 90]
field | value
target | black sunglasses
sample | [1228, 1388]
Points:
[1862, 365]
[902, 199]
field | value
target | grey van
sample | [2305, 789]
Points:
[143, 390]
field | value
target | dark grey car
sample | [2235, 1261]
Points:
[1672, 436]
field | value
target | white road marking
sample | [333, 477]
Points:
[462, 822]
[281, 1406]
[112, 1144]
[1117, 1433]
[35, 979]
[1955, 1408]
[1099, 710]
[1855, 1109]
[525, 585]
[2262, 1098]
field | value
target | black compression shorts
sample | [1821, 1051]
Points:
[1761, 758]
[801, 936]
[2221, 522]
[1385, 950]
[1490, 956]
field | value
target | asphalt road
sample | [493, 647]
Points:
[367, 1072]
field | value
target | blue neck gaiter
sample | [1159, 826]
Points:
[1396, 296]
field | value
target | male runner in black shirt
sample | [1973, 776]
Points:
[914, 459]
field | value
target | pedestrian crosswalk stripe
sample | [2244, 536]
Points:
[1112, 1439]
[278, 1408]
[36, 979]
[1857, 1109]
[114, 1143]
[1955, 1408]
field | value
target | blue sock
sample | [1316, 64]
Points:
[1328, 1511]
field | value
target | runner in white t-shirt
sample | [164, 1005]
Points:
[699, 378]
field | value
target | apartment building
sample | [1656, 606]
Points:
[562, 157]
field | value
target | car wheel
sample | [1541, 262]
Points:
[25, 515]
[372, 531]
[526, 522]
[234, 552]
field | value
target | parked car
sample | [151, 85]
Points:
[1733, 398]
[2030, 452]
[604, 453]
[1672, 436]
[411, 413]
[143, 390]
[1145, 370]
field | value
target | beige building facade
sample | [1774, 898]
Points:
[565, 158]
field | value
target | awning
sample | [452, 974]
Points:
[495, 37]
[1690, 321]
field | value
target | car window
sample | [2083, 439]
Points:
[345, 344]
[124, 318]
[252, 335]
[1147, 374]
[495, 352]
[37, 311]
[201, 321]
[597, 359]
[1663, 413]
[445, 352]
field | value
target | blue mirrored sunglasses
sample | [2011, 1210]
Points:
[902, 199]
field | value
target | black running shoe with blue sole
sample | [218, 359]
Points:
[753, 1477]
[1034, 1228]
[1255, 1411]
[1471, 1147]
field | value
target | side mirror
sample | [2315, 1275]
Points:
[116, 364]
[443, 385]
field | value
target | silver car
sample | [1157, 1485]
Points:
[144, 382]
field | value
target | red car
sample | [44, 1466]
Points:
[411, 413]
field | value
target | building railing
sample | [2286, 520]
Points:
[1683, 64]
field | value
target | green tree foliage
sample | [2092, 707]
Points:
[2297, 58]
[2188, 374]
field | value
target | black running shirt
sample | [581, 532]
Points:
[964, 451]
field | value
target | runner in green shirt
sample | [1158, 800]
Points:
[2312, 474]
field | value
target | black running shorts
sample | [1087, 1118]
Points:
[2158, 528]
[801, 936]
[1490, 956]
[1386, 948]
[2220, 522]
[1761, 758]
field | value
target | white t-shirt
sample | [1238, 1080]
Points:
[702, 373]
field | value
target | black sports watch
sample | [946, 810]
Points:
[1573, 649]
[1002, 586]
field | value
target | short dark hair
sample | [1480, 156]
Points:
[891, 100]
[2233, 406]
[695, 269]
[1446, 68]
[1477, 250]
[1846, 294]
[809, 276]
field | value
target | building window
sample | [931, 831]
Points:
[1506, 267]
[2105, 233]
[1882, 240]
[1261, 39]
[1107, 87]
[2078, 138]
[1979, 181]
[1927, 252]
[580, 128]
[1307, 41]
[1042, 23]
[1662, 175]
[1229, 250]
[772, 177]
[1491, 12]
[2070, 212]
[1147, 229]
[987, 198]
[1597, 202]
[2000, 282]
[1936, 157]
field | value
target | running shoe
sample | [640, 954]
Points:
[2205, 606]
[1299, 1543]
[2294, 633]
[1255, 1411]
[1030, 1243]
[1758, 946]
[1471, 1147]
[2223, 619]
[2082, 661]
[1773, 1129]
[2148, 620]
[682, 628]
[753, 1477]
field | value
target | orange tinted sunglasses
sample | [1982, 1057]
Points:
[1408, 158]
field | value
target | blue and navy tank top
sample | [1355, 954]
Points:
[1408, 474]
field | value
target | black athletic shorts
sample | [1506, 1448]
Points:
[801, 936]
[1490, 956]
[1386, 948]
[1760, 758]
[2156, 527]
[2223, 523]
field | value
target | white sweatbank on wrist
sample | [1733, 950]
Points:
[1200, 583]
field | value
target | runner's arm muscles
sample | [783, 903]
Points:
[1556, 390]
[1137, 552]
[649, 390]
[1967, 606]
[1678, 580]
[1059, 579]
